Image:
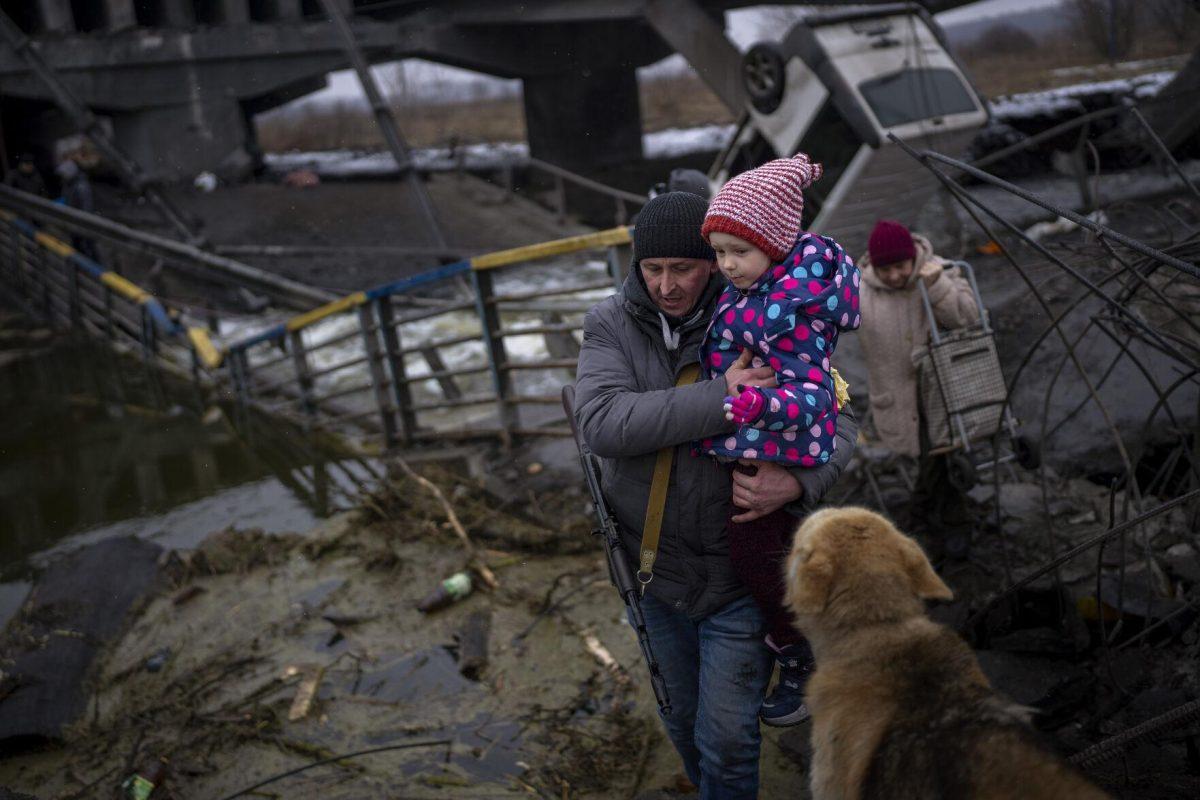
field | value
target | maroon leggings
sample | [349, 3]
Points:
[759, 550]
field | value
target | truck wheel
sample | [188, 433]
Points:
[763, 74]
[962, 472]
[1027, 452]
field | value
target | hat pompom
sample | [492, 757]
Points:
[809, 171]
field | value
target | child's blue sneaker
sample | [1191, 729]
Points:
[785, 706]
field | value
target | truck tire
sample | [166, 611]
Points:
[763, 75]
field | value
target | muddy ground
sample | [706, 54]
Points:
[245, 619]
[209, 669]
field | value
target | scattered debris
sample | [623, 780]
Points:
[447, 592]
[306, 692]
[301, 179]
[205, 182]
[473, 644]
[189, 593]
[142, 784]
[158, 660]
[476, 563]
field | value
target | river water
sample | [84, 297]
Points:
[94, 446]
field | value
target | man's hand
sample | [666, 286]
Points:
[769, 489]
[739, 372]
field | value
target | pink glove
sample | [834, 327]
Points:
[746, 407]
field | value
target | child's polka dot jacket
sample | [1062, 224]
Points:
[790, 319]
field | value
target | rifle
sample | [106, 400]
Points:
[619, 571]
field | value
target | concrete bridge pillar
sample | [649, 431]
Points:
[584, 118]
[56, 15]
[177, 13]
[120, 14]
[183, 140]
[234, 12]
[284, 9]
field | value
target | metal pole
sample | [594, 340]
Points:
[108, 314]
[400, 389]
[489, 323]
[303, 376]
[385, 120]
[1162, 148]
[87, 123]
[72, 292]
[366, 321]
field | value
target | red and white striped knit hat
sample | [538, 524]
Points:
[764, 205]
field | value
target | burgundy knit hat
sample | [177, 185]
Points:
[764, 205]
[890, 243]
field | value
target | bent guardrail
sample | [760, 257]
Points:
[411, 374]
[484, 360]
[50, 280]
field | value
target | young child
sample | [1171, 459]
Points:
[791, 293]
[894, 325]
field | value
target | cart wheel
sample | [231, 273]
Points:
[1027, 451]
[763, 75]
[962, 472]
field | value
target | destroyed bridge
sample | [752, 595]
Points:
[180, 80]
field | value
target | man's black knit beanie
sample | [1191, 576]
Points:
[669, 227]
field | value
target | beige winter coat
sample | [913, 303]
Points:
[893, 325]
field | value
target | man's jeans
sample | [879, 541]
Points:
[716, 672]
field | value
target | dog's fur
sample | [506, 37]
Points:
[900, 708]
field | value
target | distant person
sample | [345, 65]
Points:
[692, 181]
[77, 194]
[27, 178]
[894, 324]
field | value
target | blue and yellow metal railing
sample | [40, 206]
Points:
[365, 381]
[52, 280]
[278, 369]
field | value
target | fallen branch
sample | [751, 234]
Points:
[477, 563]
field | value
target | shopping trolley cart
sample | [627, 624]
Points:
[963, 396]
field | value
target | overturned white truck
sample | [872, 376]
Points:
[834, 88]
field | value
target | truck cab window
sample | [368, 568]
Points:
[916, 94]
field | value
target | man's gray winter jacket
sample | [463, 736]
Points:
[628, 408]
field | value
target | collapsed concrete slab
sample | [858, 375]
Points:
[78, 606]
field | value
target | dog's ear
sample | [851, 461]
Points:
[810, 575]
[925, 582]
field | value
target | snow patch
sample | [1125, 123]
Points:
[669, 143]
[1070, 98]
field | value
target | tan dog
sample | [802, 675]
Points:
[900, 707]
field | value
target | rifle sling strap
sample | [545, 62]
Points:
[658, 495]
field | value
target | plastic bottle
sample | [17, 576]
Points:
[141, 785]
[448, 592]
